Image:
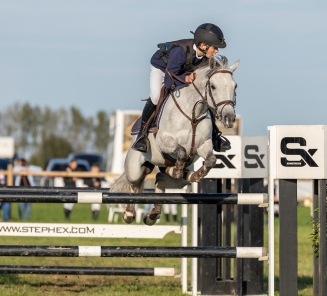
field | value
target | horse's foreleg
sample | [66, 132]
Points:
[210, 159]
[177, 171]
[170, 146]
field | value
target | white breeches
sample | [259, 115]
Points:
[94, 207]
[170, 208]
[156, 83]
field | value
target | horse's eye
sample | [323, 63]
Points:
[212, 86]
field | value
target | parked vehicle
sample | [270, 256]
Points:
[89, 157]
[4, 163]
[60, 164]
[3, 166]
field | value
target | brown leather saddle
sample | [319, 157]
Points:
[152, 125]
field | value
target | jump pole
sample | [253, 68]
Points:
[86, 270]
[133, 251]
[44, 196]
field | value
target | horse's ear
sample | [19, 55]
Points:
[234, 66]
[212, 63]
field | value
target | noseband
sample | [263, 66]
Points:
[216, 105]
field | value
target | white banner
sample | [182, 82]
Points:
[7, 147]
[246, 159]
[298, 152]
[85, 230]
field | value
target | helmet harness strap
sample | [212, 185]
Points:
[204, 50]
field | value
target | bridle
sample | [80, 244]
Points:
[195, 120]
[224, 103]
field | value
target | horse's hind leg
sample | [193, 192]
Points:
[168, 145]
[155, 214]
[136, 168]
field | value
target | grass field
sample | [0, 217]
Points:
[112, 285]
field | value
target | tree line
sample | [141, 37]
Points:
[43, 133]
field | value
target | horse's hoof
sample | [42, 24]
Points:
[129, 217]
[150, 219]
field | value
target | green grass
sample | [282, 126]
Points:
[305, 254]
[113, 285]
[86, 285]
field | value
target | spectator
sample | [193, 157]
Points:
[24, 208]
[6, 210]
[170, 208]
[70, 182]
[5, 206]
[94, 182]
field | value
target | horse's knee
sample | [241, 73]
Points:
[210, 161]
[180, 153]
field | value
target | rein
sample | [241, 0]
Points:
[196, 120]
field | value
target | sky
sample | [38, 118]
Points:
[95, 55]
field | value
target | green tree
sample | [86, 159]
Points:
[101, 132]
[44, 133]
[80, 130]
[53, 146]
[22, 122]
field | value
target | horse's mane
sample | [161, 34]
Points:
[222, 63]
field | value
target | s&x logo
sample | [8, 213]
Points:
[257, 159]
[225, 161]
[305, 155]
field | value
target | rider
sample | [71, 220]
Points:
[180, 57]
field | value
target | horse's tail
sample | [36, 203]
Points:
[121, 185]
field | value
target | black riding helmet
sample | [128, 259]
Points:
[209, 34]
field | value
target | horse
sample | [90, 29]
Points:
[184, 134]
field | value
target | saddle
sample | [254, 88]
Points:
[152, 125]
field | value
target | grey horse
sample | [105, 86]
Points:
[184, 135]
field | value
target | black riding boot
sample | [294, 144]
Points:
[219, 142]
[141, 142]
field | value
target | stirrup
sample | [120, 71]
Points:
[225, 144]
[139, 146]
